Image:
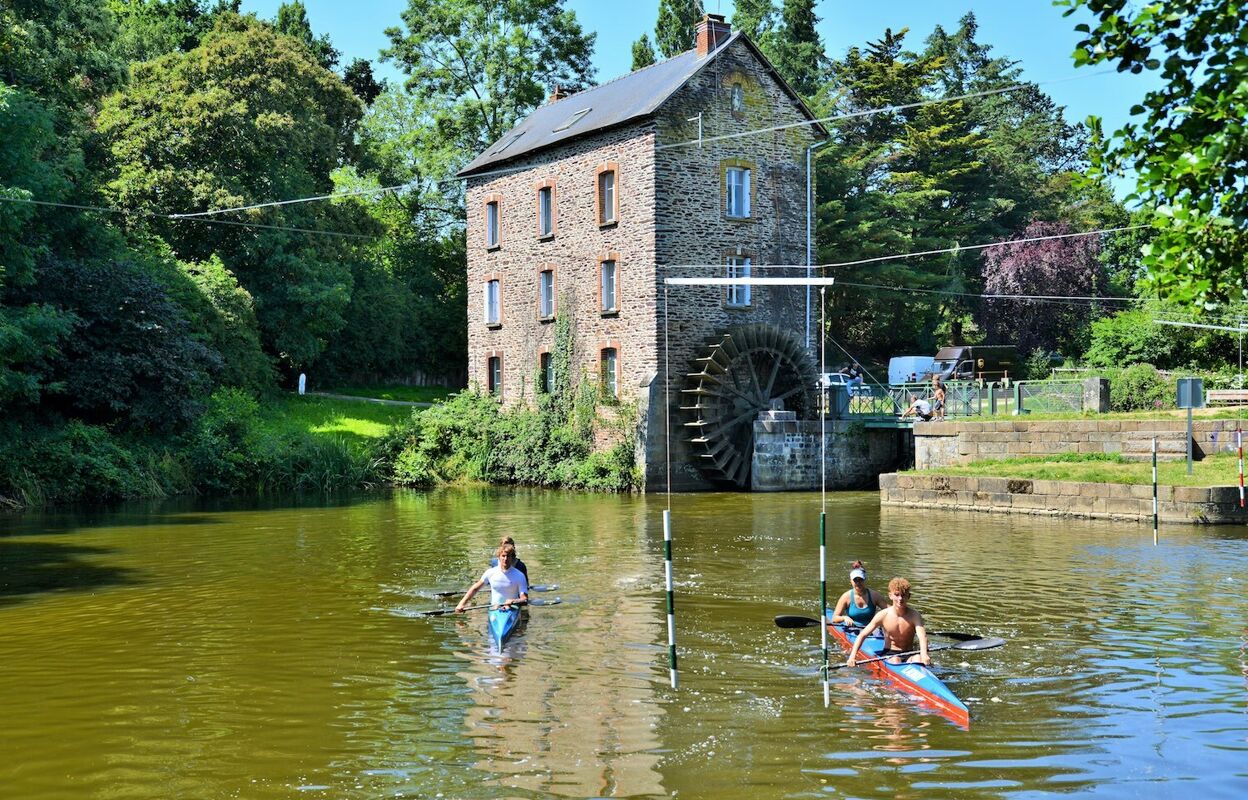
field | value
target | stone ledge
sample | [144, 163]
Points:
[1218, 505]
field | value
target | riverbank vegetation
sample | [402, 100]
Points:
[197, 205]
[1220, 469]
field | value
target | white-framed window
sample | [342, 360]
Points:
[737, 93]
[491, 224]
[737, 180]
[493, 302]
[494, 375]
[546, 293]
[546, 211]
[546, 370]
[606, 197]
[738, 267]
[609, 361]
[609, 285]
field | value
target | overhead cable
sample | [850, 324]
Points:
[176, 218]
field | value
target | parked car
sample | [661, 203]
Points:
[989, 362]
[908, 369]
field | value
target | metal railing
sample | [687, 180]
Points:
[962, 398]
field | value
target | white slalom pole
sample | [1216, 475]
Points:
[671, 596]
[1154, 491]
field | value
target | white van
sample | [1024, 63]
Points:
[900, 368]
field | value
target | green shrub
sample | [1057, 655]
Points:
[1038, 366]
[1140, 387]
[73, 463]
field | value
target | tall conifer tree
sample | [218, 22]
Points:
[798, 51]
[674, 31]
[643, 53]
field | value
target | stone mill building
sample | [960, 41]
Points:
[691, 167]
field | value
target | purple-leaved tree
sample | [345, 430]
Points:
[1062, 267]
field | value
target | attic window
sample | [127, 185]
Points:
[572, 120]
[508, 143]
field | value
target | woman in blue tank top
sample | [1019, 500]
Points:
[858, 606]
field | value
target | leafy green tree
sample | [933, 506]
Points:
[675, 29]
[643, 53]
[798, 51]
[210, 129]
[151, 28]
[359, 77]
[475, 69]
[1186, 144]
[292, 21]
[132, 359]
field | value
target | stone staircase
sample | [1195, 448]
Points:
[1171, 445]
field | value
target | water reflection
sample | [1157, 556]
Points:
[231, 650]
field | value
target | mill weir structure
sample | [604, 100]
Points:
[693, 166]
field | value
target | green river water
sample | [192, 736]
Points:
[272, 651]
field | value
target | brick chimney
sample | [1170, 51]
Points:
[556, 94]
[712, 32]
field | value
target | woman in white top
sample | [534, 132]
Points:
[507, 584]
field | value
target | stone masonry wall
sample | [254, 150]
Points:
[942, 444]
[1176, 504]
[574, 252]
[692, 228]
[787, 454]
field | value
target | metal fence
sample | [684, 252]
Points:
[962, 398]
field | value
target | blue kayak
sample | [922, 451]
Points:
[502, 623]
[914, 679]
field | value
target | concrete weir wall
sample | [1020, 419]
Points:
[1114, 501]
[945, 444]
[786, 454]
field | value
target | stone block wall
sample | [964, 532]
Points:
[574, 252]
[1114, 501]
[694, 235]
[943, 444]
[787, 455]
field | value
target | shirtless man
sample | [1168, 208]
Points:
[900, 623]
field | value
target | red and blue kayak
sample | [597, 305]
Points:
[914, 679]
[502, 623]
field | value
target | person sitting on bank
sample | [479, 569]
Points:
[901, 625]
[858, 606]
[919, 408]
[854, 373]
[507, 584]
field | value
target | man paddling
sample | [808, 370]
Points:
[507, 584]
[901, 625]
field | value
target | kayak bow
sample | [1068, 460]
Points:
[502, 623]
[914, 679]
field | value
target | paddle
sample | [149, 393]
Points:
[795, 621]
[543, 587]
[972, 644]
[439, 612]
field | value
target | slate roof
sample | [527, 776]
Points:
[632, 96]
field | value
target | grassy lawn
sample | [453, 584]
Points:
[359, 424]
[1218, 470]
[410, 394]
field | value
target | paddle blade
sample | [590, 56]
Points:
[961, 637]
[979, 644]
[439, 612]
[544, 587]
[794, 621]
[538, 601]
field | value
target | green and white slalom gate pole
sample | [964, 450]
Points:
[1154, 491]
[1239, 445]
[671, 597]
[823, 498]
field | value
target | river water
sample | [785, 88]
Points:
[212, 651]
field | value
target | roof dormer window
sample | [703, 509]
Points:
[572, 120]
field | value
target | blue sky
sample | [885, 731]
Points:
[1032, 32]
